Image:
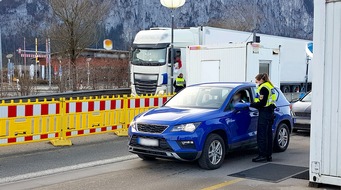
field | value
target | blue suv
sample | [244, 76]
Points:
[201, 123]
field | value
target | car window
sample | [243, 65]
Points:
[254, 90]
[200, 97]
[241, 96]
[307, 98]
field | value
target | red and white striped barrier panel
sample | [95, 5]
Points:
[11, 111]
[92, 130]
[29, 138]
[87, 106]
[146, 102]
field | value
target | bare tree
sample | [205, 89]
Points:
[25, 85]
[74, 28]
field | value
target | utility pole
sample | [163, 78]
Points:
[49, 58]
[2, 80]
[36, 69]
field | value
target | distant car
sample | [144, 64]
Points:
[200, 124]
[301, 111]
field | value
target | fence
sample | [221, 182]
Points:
[58, 120]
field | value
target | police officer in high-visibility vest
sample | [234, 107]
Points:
[179, 83]
[265, 103]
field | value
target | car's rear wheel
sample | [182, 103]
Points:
[145, 157]
[282, 138]
[213, 154]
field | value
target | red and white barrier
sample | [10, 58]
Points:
[28, 110]
[146, 102]
[87, 106]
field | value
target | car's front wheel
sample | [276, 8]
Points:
[213, 154]
[282, 138]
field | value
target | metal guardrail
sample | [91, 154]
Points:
[67, 95]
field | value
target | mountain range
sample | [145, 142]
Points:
[291, 18]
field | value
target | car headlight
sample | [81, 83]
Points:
[133, 126]
[189, 127]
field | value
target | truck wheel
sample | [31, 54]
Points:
[285, 89]
[145, 157]
[213, 154]
[282, 138]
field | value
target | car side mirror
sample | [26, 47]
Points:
[240, 106]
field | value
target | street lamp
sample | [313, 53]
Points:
[172, 4]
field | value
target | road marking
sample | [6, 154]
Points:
[65, 169]
[226, 183]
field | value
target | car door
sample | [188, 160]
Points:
[254, 113]
[242, 124]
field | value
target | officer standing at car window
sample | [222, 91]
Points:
[265, 103]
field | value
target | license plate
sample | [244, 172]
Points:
[301, 121]
[148, 142]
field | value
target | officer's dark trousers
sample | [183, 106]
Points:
[264, 131]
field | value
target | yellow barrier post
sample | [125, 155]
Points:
[123, 132]
[62, 141]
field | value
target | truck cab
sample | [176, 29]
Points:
[151, 58]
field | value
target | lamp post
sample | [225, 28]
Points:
[88, 64]
[9, 68]
[306, 75]
[172, 4]
[2, 80]
[60, 67]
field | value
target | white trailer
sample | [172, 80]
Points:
[325, 143]
[238, 62]
[150, 61]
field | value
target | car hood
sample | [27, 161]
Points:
[173, 116]
[301, 107]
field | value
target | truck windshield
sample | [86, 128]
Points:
[149, 57]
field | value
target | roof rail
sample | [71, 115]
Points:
[159, 28]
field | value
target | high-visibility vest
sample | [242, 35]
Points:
[180, 81]
[271, 97]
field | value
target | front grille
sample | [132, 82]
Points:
[150, 152]
[163, 145]
[145, 86]
[302, 114]
[151, 128]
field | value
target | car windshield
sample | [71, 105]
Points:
[207, 97]
[149, 56]
[307, 98]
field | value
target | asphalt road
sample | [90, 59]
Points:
[103, 162]
[22, 159]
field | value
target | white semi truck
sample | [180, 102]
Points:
[151, 60]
